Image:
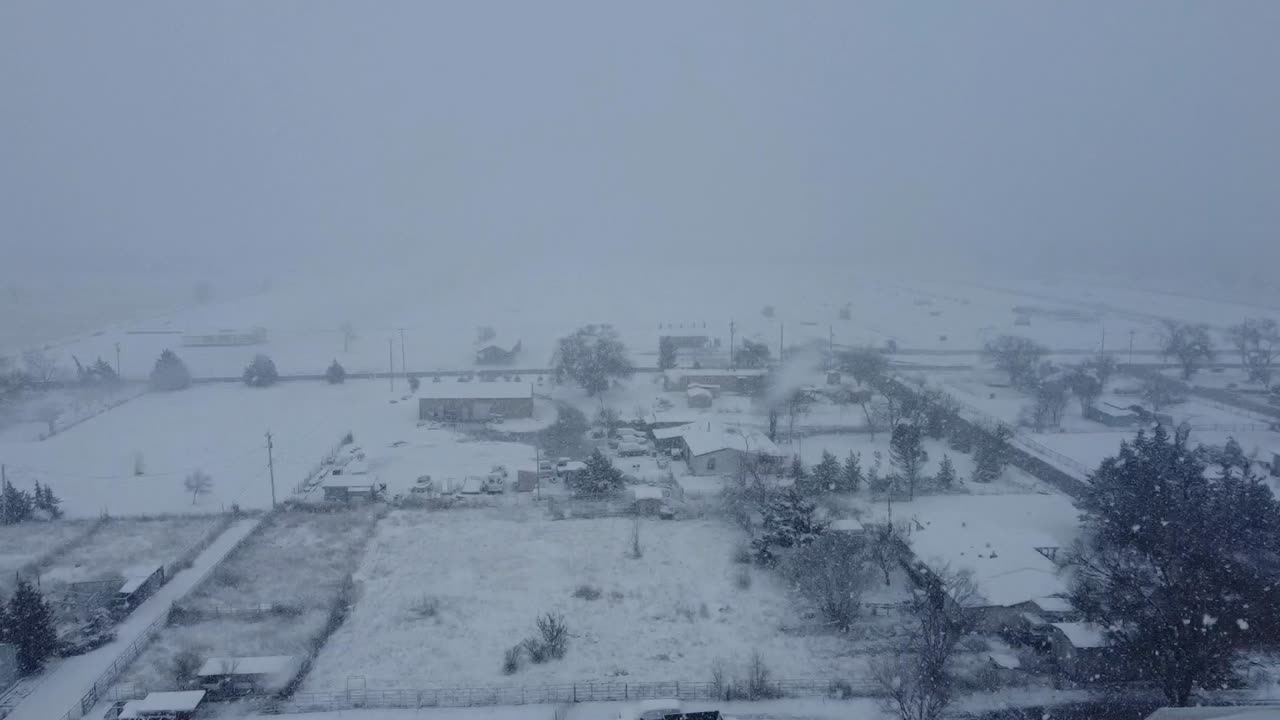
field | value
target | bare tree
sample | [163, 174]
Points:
[1085, 385]
[198, 483]
[917, 679]
[40, 365]
[1258, 342]
[864, 365]
[1049, 402]
[1189, 344]
[886, 548]
[832, 573]
[1017, 356]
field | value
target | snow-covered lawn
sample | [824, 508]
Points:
[221, 428]
[28, 542]
[670, 614]
[298, 559]
[128, 544]
[295, 558]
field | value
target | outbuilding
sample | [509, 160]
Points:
[699, 397]
[1082, 651]
[139, 584]
[711, 449]
[228, 677]
[475, 401]
[164, 706]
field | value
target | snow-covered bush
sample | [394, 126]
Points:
[261, 372]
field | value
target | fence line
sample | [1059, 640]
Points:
[562, 694]
[135, 648]
[302, 487]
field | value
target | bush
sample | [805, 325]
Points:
[169, 373]
[414, 383]
[555, 634]
[184, 667]
[511, 660]
[536, 650]
[587, 592]
[742, 579]
[759, 679]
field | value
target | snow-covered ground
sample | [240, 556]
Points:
[792, 709]
[21, 545]
[668, 615]
[123, 545]
[297, 559]
[63, 684]
[221, 428]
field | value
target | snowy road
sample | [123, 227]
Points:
[63, 685]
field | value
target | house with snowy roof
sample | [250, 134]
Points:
[710, 448]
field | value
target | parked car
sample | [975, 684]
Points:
[630, 449]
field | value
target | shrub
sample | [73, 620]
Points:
[414, 383]
[537, 651]
[555, 634]
[759, 679]
[742, 579]
[184, 666]
[511, 659]
[587, 592]
[169, 373]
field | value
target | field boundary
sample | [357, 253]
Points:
[563, 694]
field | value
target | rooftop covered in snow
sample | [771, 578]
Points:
[1083, 635]
[709, 437]
[475, 390]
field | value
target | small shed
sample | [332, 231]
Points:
[139, 584]
[699, 397]
[164, 706]
[352, 488]
[1082, 651]
[227, 677]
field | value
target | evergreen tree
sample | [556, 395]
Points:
[666, 353]
[797, 472]
[261, 372]
[946, 472]
[600, 477]
[907, 453]
[991, 454]
[104, 373]
[15, 505]
[31, 627]
[1177, 564]
[851, 473]
[170, 373]
[52, 503]
[788, 523]
[335, 374]
[826, 474]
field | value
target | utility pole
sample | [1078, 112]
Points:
[4, 484]
[780, 346]
[537, 470]
[403, 368]
[1131, 331]
[117, 360]
[271, 468]
[733, 365]
[831, 340]
[391, 363]
[1103, 350]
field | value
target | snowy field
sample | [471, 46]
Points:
[295, 559]
[21, 545]
[221, 428]
[123, 545]
[669, 615]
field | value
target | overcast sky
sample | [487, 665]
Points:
[167, 133]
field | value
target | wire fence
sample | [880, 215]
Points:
[564, 694]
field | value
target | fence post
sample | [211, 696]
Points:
[626, 694]
[575, 692]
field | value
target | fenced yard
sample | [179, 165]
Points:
[123, 545]
[442, 596]
[273, 595]
[26, 547]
